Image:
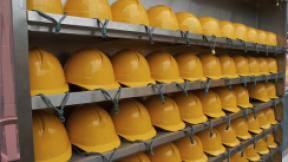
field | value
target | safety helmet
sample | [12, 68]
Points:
[237, 157]
[240, 126]
[190, 66]
[253, 66]
[211, 103]
[228, 99]
[191, 150]
[164, 67]
[252, 35]
[240, 31]
[167, 152]
[211, 66]
[262, 36]
[46, 73]
[271, 88]
[271, 39]
[89, 9]
[228, 135]
[271, 141]
[263, 121]
[242, 65]
[129, 11]
[190, 108]
[131, 69]
[51, 142]
[162, 16]
[210, 26]
[270, 115]
[253, 125]
[227, 29]
[140, 157]
[272, 64]
[91, 129]
[263, 66]
[164, 115]
[133, 122]
[251, 154]
[49, 6]
[258, 92]
[242, 96]
[261, 147]
[212, 142]
[90, 69]
[189, 23]
[228, 66]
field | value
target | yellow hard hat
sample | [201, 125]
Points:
[89, 9]
[129, 11]
[164, 115]
[211, 66]
[167, 152]
[210, 26]
[228, 66]
[51, 142]
[263, 121]
[190, 66]
[261, 147]
[253, 125]
[251, 154]
[237, 157]
[272, 64]
[271, 39]
[191, 151]
[228, 135]
[258, 92]
[271, 141]
[242, 65]
[262, 36]
[90, 69]
[162, 16]
[91, 129]
[242, 96]
[270, 115]
[254, 67]
[263, 66]
[189, 23]
[240, 31]
[164, 67]
[227, 29]
[131, 69]
[50, 6]
[211, 103]
[271, 88]
[212, 143]
[46, 73]
[252, 35]
[228, 99]
[190, 108]
[240, 126]
[133, 122]
[140, 157]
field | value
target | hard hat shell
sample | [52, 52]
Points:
[190, 108]
[162, 16]
[271, 141]
[211, 66]
[254, 67]
[253, 125]
[129, 11]
[271, 39]
[46, 73]
[242, 96]
[262, 36]
[271, 88]
[164, 115]
[90, 69]
[263, 121]
[242, 65]
[133, 122]
[49, 6]
[240, 31]
[89, 9]
[210, 26]
[211, 103]
[258, 92]
[191, 151]
[140, 157]
[167, 152]
[91, 129]
[252, 35]
[212, 143]
[251, 154]
[164, 68]
[190, 66]
[227, 29]
[237, 157]
[228, 67]
[131, 69]
[228, 135]
[51, 142]
[189, 23]
[261, 147]
[263, 66]
[240, 126]
[228, 99]
[272, 64]
[270, 115]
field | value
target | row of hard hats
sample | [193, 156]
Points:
[161, 16]
[91, 69]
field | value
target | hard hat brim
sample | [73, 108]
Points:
[265, 126]
[221, 150]
[234, 143]
[111, 86]
[203, 158]
[273, 97]
[195, 79]
[214, 77]
[142, 137]
[274, 122]
[246, 106]
[198, 120]
[232, 76]
[262, 99]
[65, 156]
[232, 109]
[272, 146]
[138, 84]
[244, 137]
[264, 152]
[216, 115]
[258, 131]
[59, 90]
[172, 128]
[168, 81]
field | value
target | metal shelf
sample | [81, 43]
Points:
[165, 137]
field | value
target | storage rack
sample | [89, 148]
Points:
[28, 25]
